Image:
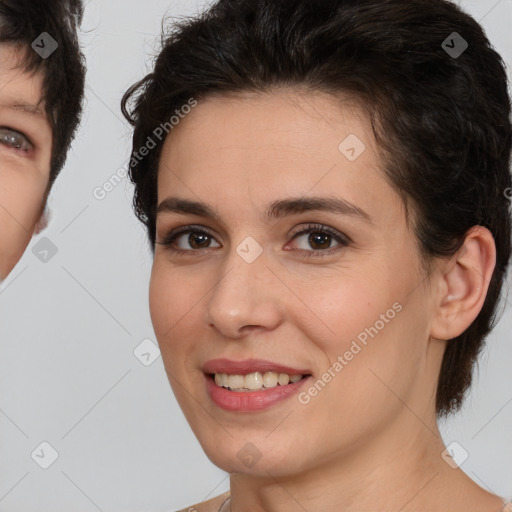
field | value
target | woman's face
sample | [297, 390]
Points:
[346, 304]
[25, 151]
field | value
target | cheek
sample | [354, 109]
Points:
[376, 353]
[160, 294]
[173, 302]
[340, 308]
[20, 206]
[21, 195]
[363, 322]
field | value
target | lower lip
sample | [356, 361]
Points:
[251, 400]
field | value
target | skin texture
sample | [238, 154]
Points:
[25, 152]
[369, 439]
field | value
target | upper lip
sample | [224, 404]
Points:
[250, 366]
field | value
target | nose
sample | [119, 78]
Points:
[246, 298]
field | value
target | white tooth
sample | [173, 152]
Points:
[270, 379]
[283, 379]
[253, 381]
[236, 381]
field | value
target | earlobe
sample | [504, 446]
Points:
[464, 284]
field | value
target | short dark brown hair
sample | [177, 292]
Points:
[441, 119]
[21, 22]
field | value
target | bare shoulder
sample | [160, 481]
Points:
[507, 507]
[212, 505]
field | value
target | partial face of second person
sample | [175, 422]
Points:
[25, 153]
[304, 300]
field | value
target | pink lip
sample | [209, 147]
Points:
[250, 401]
[250, 366]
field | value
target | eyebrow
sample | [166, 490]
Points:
[275, 210]
[29, 108]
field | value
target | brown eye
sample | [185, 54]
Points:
[196, 239]
[14, 139]
[320, 239]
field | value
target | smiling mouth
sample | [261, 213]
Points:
[255, 381]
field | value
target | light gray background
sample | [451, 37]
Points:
[68, 327]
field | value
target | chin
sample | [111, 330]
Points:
[257, 457]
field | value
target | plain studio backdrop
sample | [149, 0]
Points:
[74, 313]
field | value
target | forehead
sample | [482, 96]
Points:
[19, 90]
[240, 155]
[278, 138]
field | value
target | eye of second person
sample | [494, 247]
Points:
[14, 139]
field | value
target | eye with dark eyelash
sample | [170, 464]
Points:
[14, 139]
[342, 239]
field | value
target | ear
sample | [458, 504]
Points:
[43, 221]
[464, 284]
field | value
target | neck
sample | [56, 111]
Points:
[400, 471]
